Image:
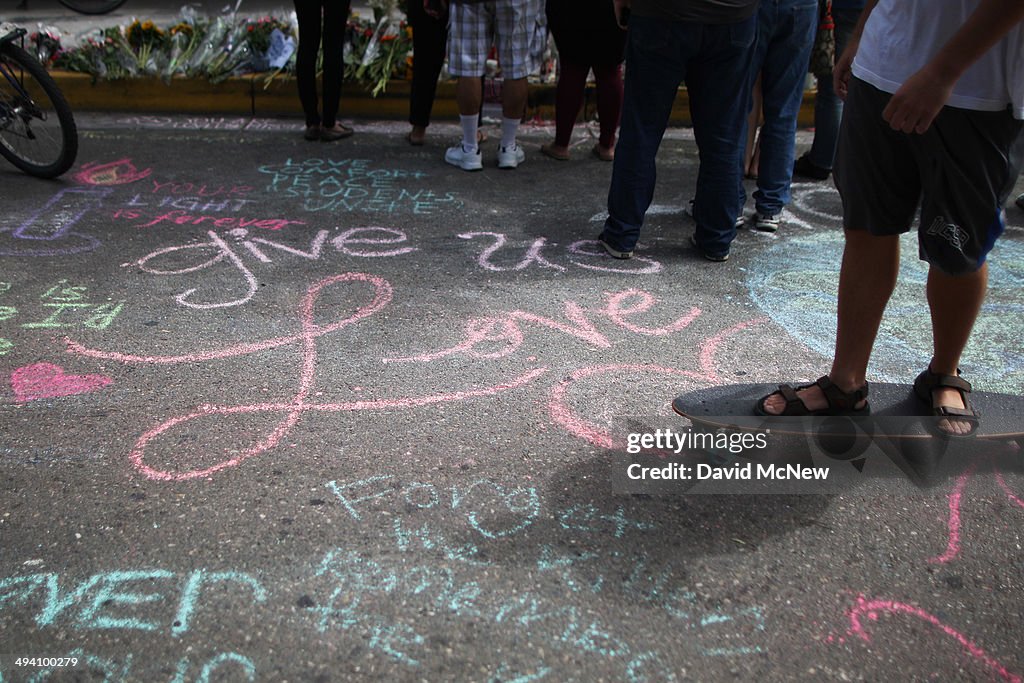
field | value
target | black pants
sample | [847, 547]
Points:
[320, 20]
[429, 38]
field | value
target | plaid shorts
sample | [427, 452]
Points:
[516, 27]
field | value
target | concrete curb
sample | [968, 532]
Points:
[253, 96]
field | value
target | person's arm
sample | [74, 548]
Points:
[842, 70]
[920, 99]
[622, 12]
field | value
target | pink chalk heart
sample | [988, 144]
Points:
[46, 380]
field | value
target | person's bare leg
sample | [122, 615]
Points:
[955, 302]
[866, 281]
[469, 96]
[513, 98]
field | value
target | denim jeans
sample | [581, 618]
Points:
[828, 108]
[714, 61]
[785, 35]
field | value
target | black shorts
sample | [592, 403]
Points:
[960, 172]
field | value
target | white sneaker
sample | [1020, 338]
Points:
[467, 161]
[510, 158]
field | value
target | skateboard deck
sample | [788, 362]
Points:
[896, 413]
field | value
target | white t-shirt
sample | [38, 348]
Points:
[901, 36]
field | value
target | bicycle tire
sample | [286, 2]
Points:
[92, 6]
[37, 129]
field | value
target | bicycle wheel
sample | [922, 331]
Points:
[37, 130]
[92, 6]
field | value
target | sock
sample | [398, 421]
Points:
[509, 128]
[469, 126]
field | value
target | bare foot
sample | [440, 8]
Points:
[417, 136]
[560, 152]
[604, 153]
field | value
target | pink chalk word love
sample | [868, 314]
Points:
[46, 380]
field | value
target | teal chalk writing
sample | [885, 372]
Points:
[109, 595]
[589, 518]
[425, 537]
[506, 674]
[114, 600]
[350, 503]
[524, 503]
[193, 587]
[394, 640]
[647, 667]
[227, 658]
[509, 510]
[56, 604]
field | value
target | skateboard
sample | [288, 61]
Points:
[898, 425]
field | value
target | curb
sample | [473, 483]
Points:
[251, 96]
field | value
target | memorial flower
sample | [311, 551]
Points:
[146, 41]
[47, 45]
[218, 48]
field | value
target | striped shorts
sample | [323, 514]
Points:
[516, 27]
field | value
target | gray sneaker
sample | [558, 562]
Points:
[767, 223]
[467, 161]
[613, 252]
[717, 258]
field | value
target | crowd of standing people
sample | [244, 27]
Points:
[920, 120]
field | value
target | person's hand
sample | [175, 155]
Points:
[435, 8]
[842, 71]
[622, 8]
[918, 101]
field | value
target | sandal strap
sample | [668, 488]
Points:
[951, 382]
[928, 380]
[837, 398]
[794, 406]
[967, 413]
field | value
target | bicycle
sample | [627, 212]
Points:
[37, 130]
[86, 6]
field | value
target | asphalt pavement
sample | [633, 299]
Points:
[273, 410]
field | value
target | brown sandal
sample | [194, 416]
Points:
[839, 402]
[929, 381]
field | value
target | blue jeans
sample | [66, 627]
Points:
[712, 60]
[785, 35]
[828, 108]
